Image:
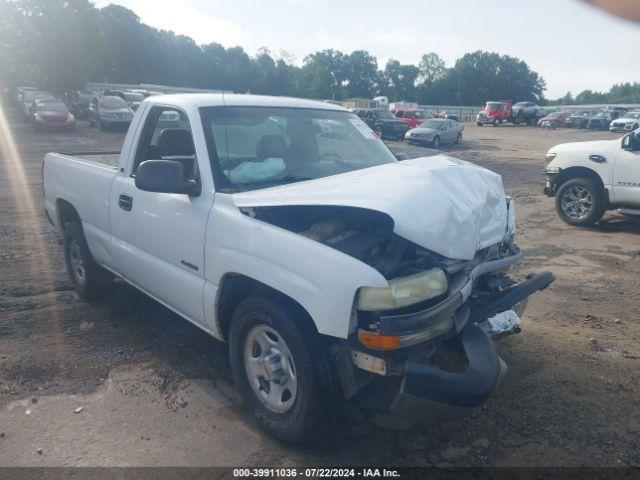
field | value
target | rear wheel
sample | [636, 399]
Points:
[480, 124]
[459, 138]
[436, 142]
[282, 369]
[89, 279]
[496, 123]
[580, 202]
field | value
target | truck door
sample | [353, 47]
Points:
[626, 172]
[158, 238]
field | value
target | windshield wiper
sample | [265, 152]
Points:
[276, 181]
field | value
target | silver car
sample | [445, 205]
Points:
[628, 122]
[435, 131]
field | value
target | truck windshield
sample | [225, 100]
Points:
[260, 147]
[494, 106]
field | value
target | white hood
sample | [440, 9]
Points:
[443, 204]
[592, 147]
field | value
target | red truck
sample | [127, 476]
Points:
[494, 113]
[413, 117]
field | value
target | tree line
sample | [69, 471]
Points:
[61, 44]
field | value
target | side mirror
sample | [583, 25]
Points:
[165, 176]
[401, 156]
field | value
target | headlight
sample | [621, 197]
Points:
[404, 291]
[551, 156]
[38, 117]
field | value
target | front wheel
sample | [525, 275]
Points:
[480, 124]
[282, 369]
[459, 139]
[580, 202]
[436, 142]
[89, 279]
[496, 123]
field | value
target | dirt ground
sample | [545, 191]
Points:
[155, 390]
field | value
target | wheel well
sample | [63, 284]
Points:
[581, 172]
[66, 212]
[236, 287]
[578, 172]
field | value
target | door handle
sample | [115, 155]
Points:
[125, 202]
[597, 158]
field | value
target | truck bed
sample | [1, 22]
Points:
[84, 180]
[105, 158]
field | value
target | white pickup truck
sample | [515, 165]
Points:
[589, 178]
[287, 228]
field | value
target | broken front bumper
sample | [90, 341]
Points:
[473, 386]
[421, 387]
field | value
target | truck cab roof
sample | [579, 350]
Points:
[199, 100]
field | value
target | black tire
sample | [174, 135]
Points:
[435, 143]
[459, 139]
[94, 281]
[496, 123]
[480, 124]
[595, 200]
[316, 396]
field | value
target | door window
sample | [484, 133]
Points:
[167, 136]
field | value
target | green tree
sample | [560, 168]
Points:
[482, 76]
[399, 81]
[432, 68]
[325, 74]
[361, 74]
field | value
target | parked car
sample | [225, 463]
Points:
[525, 112]
[436, 131]
[628, 122]
[328, 266]
[599, 121]
[383, 122]
[50, 115]
[554, 119]
[109, 111]
[78, 103]
[28, 97]
[18, 95]
[589, 178]
[413, 118]
[494, 113]
[133, 99]
[580, 118]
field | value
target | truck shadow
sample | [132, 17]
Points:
[619, 223]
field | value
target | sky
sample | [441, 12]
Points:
[571, 44]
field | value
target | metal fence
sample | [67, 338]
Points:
[101, 86]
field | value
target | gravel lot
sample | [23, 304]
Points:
[155, 390]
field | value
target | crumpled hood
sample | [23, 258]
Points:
[441, 203]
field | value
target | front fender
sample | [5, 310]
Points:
[322, 280]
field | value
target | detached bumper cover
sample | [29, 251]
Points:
[475, 385]
[471, 388]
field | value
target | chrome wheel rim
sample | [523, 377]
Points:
[270, 368]
[77, 264]
[577, 203]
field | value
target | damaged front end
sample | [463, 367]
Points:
[428, 336]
